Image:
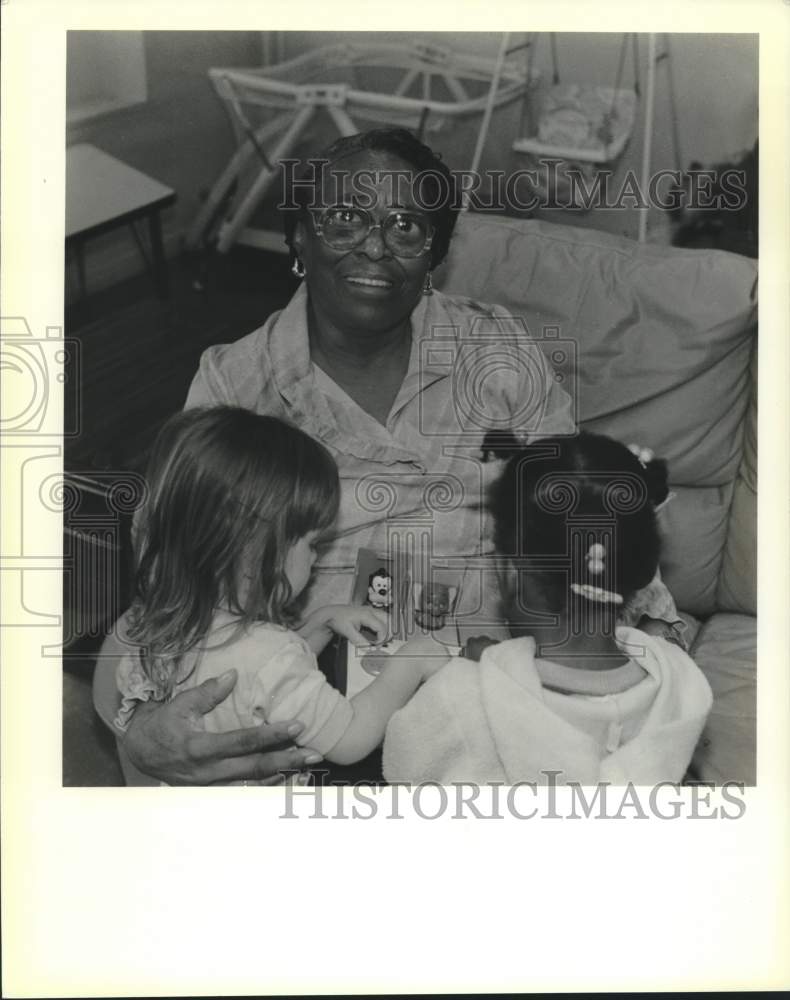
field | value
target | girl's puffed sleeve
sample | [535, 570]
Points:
[134, 686]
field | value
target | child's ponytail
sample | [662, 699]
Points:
[594, 479]
[654, 473]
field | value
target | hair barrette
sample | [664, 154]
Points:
[596, 593]
[667, 499]
[643, 455]
[595, 565]
[595, 557]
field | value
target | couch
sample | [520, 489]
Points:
[665, 355]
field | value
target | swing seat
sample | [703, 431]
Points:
[582, 130]
[582, 123]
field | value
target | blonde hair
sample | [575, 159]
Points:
[230, 493]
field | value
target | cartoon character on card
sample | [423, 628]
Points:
[380, 589]
[432, 604]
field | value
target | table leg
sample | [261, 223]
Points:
[158, 261]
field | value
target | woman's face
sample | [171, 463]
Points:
[367, 288]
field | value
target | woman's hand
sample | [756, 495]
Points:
[476, 645]
[662, 629]
[168, 742]
[345, 620]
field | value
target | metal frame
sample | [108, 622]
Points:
[296, 88]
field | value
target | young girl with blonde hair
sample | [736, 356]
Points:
[225, 546]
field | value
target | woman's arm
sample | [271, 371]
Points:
[164, 741]
[652, 610]
[167, 740]
[373, 707]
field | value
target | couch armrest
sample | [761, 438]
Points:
[726, 652]
[737, 588]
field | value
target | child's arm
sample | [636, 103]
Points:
[345, 620]
[373, 707]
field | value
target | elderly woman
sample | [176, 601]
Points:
[399, 381]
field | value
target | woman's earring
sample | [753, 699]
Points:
[297, 268]
[427, 288]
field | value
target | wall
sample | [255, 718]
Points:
[180, 135]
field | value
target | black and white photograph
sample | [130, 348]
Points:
[577, 265]
[395, 419]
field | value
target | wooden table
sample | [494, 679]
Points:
[103, 193]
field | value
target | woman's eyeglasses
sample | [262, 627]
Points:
[405, 234]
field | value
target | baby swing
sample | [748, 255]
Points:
[581, 128]
[421, 87]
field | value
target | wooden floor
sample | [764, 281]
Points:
[137, 357]
[138, 354]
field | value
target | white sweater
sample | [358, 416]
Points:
[497, 721]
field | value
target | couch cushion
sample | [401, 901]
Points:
[726, 652]
[693, 534]
[663, 337]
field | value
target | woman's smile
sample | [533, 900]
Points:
[367, 283]
[366, 287]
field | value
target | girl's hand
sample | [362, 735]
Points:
[348, 619]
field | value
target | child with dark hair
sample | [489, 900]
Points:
[573, 691]
[225, 544]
